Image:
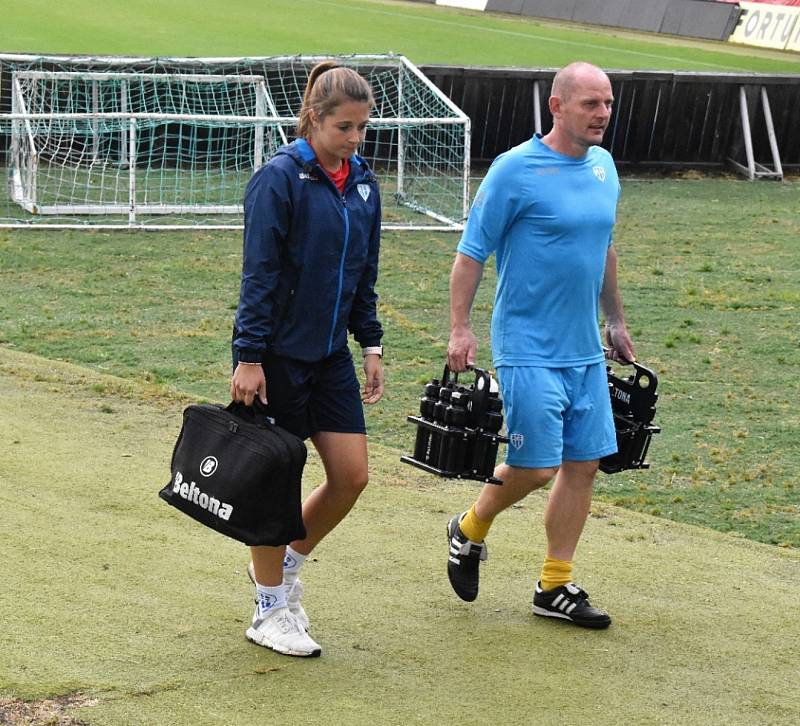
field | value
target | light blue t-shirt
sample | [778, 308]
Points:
[548, 218]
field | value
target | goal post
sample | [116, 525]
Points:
[187, 150]
[171, 143]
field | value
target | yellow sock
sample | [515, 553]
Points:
[555, 573]
[474, 528]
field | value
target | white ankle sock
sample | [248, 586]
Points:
[292, 562]
[270, 598]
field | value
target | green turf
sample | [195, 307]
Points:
[708, 269]
[425, 33]
[108, 593]
[111, 594]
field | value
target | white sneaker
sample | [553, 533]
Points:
[294, 592]
[280, 631]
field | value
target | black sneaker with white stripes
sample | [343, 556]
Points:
[569, 602]
[463, 560]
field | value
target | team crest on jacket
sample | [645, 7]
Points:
[599, 172]
[363, 190]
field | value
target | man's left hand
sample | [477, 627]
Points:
[620, 344]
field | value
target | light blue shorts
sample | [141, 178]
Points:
[556, 414]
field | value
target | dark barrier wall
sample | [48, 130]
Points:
[555, 9]
[608, 12]
[690, 18]
[661, 120]
[645, 15]
[506, 6]
[699, 19]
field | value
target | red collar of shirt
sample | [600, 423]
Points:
[339, 178]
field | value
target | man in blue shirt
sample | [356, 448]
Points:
[546, 209]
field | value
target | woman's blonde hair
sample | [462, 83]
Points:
[329, 85]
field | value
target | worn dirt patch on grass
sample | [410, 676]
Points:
[50, 711]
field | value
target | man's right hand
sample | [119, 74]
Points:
[461, 349]
[464, 280]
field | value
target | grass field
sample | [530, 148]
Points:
[713, 312]
[424, 33]
[134, 615]
[118, 611]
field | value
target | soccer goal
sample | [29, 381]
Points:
[171, 143]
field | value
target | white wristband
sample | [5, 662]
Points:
[372, 350]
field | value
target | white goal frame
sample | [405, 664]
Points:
[24, 144]
[267, 120]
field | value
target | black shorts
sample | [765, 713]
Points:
[305, 398]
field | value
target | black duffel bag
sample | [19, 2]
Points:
[239, 474]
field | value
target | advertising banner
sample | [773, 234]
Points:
[767, 26]
[795, 3]
[794, 40]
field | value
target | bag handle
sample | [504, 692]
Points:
[255, 414]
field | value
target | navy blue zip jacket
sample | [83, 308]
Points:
[310, 259]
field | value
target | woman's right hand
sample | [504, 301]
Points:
[248, 382]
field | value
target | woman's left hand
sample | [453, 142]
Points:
[373, 383]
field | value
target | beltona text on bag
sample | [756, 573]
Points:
[238, 474]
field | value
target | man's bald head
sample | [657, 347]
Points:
[573, 76]
[580, 103]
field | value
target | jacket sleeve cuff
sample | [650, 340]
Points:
[246, 355]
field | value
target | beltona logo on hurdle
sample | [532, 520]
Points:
[190, 492]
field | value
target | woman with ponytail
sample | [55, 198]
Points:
[310, 262]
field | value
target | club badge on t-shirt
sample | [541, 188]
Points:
[363, 190]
